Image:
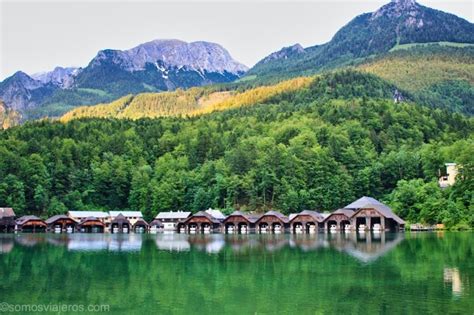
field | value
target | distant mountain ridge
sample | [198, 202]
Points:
[396, 23]
[159, 65]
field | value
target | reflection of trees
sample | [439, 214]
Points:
[306, 274]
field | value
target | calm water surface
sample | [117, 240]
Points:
[424, 273]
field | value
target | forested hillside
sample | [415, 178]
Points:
[437, 76]
[185, 102]
[319, 147]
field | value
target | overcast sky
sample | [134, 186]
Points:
[39, 35]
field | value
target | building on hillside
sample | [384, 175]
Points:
[132, 216]
[449, 178]
[170, 220]
[7, 220]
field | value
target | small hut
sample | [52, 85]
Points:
[91, 225]
[202, 222]
[61, 223]
[240, 222]
[31, 223]
[272, 222]
[140, 226]
[120, 224]
[306, 221]
[7, 220]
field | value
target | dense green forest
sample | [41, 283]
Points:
[319, 147]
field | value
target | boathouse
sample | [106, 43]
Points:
[170, 220]
[306, 221]
[120, 224]
[7, 220]
[339, 220]
[30, 223]
[131, 216]
[156, 226]
[240, 222]
[371, 214]
[140, 226]
[92, 225]
[61, 223]
[272, 222]
[201, 222]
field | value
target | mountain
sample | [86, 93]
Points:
[398, 23]
[61, 77]
[21, 92]
[159, 65]
[8, 117]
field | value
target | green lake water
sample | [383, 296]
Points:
[403, 273]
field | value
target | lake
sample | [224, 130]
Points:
[401, 273]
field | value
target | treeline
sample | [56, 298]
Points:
[316, 148]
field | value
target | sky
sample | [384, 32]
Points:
[38, 35]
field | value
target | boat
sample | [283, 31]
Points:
[115, 230]
[182, 230]
[333, 228]
[263, 229]
[153, 229]
[299, 229]
[125, 230]
[207, 230]
[347, 227]
[243, 229]
[69, 230]
[361, 228]
[312, 229]
[277, 229]
[192, 230]
[230, 229]
[57, 229]
[377, 228]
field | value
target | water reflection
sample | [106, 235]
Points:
[453, 277]
[364, 247]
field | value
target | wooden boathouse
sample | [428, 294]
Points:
[240, 222]
[61, 223]
[272, 222]
[91, 225]
[30, 223]
[306, 221]
[7, 220]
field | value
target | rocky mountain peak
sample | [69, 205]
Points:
[397, 8]
[200, 56]
[285, 53]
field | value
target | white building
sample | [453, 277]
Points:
[171, 219]
[80, 215]
[450, 178]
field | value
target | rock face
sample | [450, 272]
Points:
[159, 65]
[61, 77]
[285, 53]
[199, 56]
